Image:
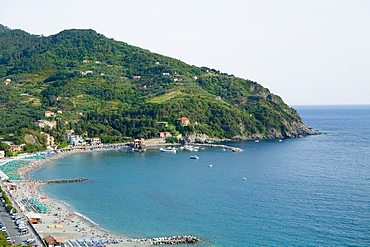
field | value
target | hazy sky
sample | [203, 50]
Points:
[306, 51]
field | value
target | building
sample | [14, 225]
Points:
[44, 123]
[138, 143]
[70, 132]
[49, 114]
[34, 218]
[75, 140]
[95, 141]
[49, 140]
[51, 240]
[182, 121]
[165, 134]
[15, 148]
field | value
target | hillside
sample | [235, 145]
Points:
[101, 87]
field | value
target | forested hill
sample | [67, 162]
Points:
[101, 87]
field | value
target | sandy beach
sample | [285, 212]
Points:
[58, 219]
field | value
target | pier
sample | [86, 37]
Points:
[234, 149]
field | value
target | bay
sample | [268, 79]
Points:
[298, 192]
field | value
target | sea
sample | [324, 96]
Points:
[311, 191]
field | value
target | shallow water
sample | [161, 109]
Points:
[298, 192]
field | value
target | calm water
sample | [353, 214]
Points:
[309, 191]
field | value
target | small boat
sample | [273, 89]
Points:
[257, 141]
[210, 165]
[168, 149]
[245, 179]
[194, 157]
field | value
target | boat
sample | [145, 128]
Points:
[194, 157]
[168, 149]
[210, 165]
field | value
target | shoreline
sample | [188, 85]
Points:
[61, 220]
[74, 226]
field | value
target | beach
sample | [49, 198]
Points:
[57, 218]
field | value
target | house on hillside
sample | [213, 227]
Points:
[49, 140]
[44, 123]
[49, 114]
[7, 81]
[70, 132]
[165, 134]
[16, 148]
[182, 121]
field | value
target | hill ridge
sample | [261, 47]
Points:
[110, 89]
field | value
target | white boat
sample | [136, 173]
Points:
[210, 165]
[168, 149]
[194, 157]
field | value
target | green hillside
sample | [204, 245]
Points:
[112, 90]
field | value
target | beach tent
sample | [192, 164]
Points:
[51, 240]
[34, 218]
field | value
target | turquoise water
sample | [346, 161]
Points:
[311, 191]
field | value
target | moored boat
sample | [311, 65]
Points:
[168, 149]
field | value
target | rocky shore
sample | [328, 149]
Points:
[292, 130]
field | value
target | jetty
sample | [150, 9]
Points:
[174, 240]
[234, 149]
[56, 181]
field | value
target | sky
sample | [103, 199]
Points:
[314, 52]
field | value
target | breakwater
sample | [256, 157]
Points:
[55, 181]
[175, 240]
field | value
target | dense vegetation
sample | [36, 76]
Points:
[113, 90]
